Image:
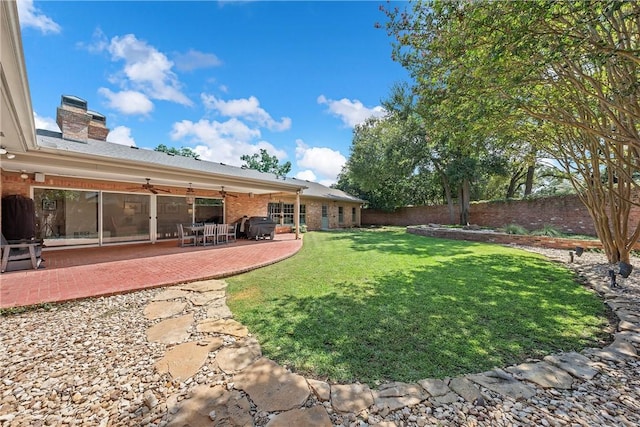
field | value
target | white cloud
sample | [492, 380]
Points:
[121, 135]
[148, 69]
[193, 59]
[127, 101]
[307, 175]
[247, 109]
[30, 16]
[223, 142]
[351, 112]
[322, 161]
[46, 123]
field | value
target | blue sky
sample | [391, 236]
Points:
[223, 78]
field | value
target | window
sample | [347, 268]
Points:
[340, 215]
[353, 215]
[283, 213]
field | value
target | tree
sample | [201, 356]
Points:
[565, 73]
[264, 162]
[184, 151]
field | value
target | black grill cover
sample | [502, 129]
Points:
[18, 218]
[260, 226]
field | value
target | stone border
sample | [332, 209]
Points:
[257, 390]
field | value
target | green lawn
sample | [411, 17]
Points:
[379, 305]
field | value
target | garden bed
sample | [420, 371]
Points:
[491, 236]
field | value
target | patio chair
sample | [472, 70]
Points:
[231, 232]
[209, 234]
[20, 254]
[184, 238]
[222, 233]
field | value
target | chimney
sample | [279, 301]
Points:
[79, 124]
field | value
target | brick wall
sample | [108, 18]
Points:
[566, 213]
[236, 207]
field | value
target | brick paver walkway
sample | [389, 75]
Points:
[88, 272]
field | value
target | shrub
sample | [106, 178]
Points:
[515, 229]
[548, 230]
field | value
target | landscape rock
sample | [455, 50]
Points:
[316, 416]
[504, 384]
[543, 374]
[271, 387]
[184, 360]
[223, 326]
[352, 398]
[171, 331]
[205, 286]
[163, 309]
[229, 409]
[235, 358]
[171, 293]
[574, 363]
[465, 388]
[321, 389]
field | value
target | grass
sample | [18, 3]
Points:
[380, 305]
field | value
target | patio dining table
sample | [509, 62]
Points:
[195, 229]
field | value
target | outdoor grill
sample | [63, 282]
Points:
[260, 227]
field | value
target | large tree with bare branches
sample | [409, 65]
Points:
[565, 73]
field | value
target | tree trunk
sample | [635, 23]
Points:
[513, 183]
[465, 202]
[528, 186]
[447, 192]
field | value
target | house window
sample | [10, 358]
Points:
[353, 215]
[340, 215]
[283, 213]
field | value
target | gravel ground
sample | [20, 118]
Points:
[89, 363]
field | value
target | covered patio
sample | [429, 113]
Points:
[100, 271]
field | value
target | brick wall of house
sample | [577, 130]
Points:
[566, 213]
[235, 207]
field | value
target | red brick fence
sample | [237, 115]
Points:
[565, 213]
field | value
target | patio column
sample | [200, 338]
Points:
[296, 215]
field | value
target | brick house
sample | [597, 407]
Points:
[88, 191]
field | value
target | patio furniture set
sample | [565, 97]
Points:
[205, 234]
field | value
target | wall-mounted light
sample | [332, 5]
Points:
[191, 198]
[24, 175]
[3, 151]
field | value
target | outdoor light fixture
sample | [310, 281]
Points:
[191, 198]
[579, 250]
[24, 175]
[3, 151]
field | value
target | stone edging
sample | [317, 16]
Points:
[257, 390]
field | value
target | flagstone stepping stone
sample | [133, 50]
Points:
[504, 384]
[435, 387]
[271, 387]
[205, 286]
[397, 395]
[351, 398]
[172, 293]
[162, 309]
[445, 399]
[316, 416]
[621, 303]
[204, 298]
[543, 374]
[465, 388]
[212, 406]
[223, 326]
[235, 358]
[171, 331]
[184, 360]
[574, 363]
[320, 388]
[628, 316]
[218, 310]
[628, 336]
[628, 326]
[622, 347]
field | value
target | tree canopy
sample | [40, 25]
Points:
[184, 151]
[559, 78]
[264, 162]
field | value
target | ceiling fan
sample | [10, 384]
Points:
[150, 187]
[224, 194]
